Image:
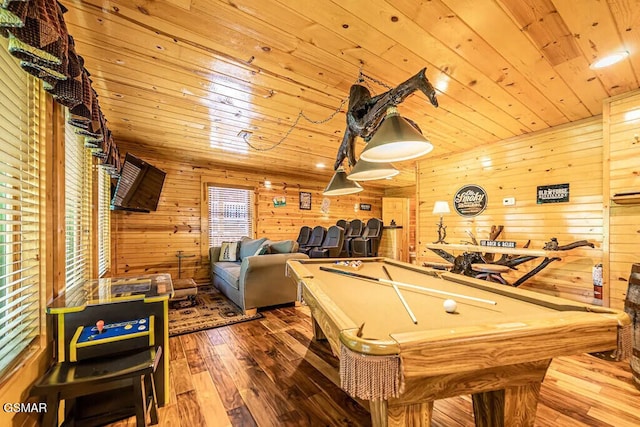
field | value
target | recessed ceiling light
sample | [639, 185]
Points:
[442, 82]
[320, 165]
[609, 60]
[267, 184]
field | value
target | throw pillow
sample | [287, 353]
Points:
[228, 251]
[283, 247]
[249, 247]
[262, 250]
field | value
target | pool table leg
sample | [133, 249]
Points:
[318, 333]
[383, 415]
[512, 406]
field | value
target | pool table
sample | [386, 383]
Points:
[497, 350]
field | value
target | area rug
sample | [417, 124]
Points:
[210, 310]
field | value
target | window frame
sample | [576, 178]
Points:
[252, 211]
[25, 218]
[205, 181]
[103, 222]
[78, 191]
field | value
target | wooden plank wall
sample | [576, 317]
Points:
[622, 174]
[514, 168]
[410, 193]
[148, 243]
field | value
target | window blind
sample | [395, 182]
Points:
[231, 212]
[104, 222]
[77, 209]
[19, 210]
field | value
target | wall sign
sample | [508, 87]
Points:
[365, 207]
[305, 201]
[324, 208]
[279, 202]
[498, 243]
[557, 193]
[470, 200]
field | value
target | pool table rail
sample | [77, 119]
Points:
[484, 346]
[334, 325]
[538, 298]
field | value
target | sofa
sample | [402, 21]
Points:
[252, 272]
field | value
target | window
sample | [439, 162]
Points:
[19, 210]
[77, 183]
[104, 222]
[230, 214]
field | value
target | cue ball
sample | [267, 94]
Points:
[450, 306]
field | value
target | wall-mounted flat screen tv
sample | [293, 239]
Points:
[138, 187]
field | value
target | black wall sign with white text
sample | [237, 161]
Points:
[556, 193]
[470, 200]
[498, 243]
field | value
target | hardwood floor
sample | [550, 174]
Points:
[269, 372]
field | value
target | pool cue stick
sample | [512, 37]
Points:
[402, 300]
[406, 285]
[360, 333]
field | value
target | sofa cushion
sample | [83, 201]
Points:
[282, 247]
[229, 251]
[229, 272]
[249, 247]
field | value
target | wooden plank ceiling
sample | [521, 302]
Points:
[186, 78]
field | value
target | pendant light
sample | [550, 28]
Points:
[395, 140]
[340, 185]
[367, 171]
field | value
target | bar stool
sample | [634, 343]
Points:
[490, 272]
[91, 379]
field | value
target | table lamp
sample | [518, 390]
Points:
[440, 208]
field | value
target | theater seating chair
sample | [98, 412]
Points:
[316, 239]
[367, 245]
[303, 236]
[353, 230]
[332, 244]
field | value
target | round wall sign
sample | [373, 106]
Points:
[470, 200]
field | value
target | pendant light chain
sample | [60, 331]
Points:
[362, 78]
[374, 80]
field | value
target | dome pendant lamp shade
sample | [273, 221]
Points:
[395, 140]
[367, 171]
[340, 185]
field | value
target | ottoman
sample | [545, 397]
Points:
[184, 293]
